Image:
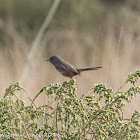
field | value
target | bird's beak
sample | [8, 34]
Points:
[48, 60]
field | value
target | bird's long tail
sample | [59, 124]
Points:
[86, 69]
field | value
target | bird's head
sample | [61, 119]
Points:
[54, 59]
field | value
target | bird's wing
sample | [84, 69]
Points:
[68, 67]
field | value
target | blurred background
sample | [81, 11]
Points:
[85, 33]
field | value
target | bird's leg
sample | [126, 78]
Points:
[64, 84]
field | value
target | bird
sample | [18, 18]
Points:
[66, 69]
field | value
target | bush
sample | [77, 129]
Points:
[68, 117]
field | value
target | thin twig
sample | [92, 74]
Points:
[35, 97]
[39, 36]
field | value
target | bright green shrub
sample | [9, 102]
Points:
[66, 116]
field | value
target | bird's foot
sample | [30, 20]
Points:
[64, 84]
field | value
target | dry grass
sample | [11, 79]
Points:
[116, 50]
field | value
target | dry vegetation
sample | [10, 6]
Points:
[89, 33]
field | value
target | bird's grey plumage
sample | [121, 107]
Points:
[66, 69]
[86, 69]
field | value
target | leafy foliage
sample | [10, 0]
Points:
[68, 117]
